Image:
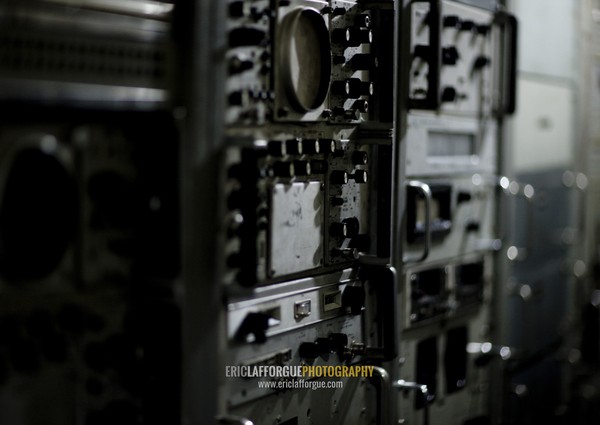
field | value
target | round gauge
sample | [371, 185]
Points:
[305, 54]
[37, 210]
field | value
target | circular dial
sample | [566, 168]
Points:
[305, 59]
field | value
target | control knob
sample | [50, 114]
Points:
[327, 145]
[339, 177]
[276, 148]
[310, 146]
[338, 229]
[450, 55]
[283, 169]
[360, 176]
[302, 168]
[362, 20]
[449, 94]
[451, 21]
[361, 105]
[352, 88]
[359, 158]
[308, 350]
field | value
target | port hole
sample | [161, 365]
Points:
[332, 300]
[273, 313]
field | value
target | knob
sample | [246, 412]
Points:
[422, 51]
[338, 341]
[360, 36]
[353, 298]
[238, 65]
[340, 88]
[481, 62]
[356, 88]
[302, 168]
[352, 226]
[283, 169]
[337, 201]
[276, 148]
[363, 62]
[238, 9]
[338, 230]
[483, 29]
[338, 11]
[235, 226]
[308, 350]
[339, 177]
[463, 197]
[449, 94]
[362, 20]
[472, 226]
[467, 26]
[451, 21]
[318, 167]
[351, 88]
[245, 36]
[450, 55]
[310, 146]
[360, 176]
[323, 345]
[327, 145]
[294, 147]
[361, 105]
[341, 36]
[238, 98]
[359, 158]
[257, 14]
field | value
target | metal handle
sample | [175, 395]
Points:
[527, 191]
[382, 278]
[401, 384]
[381, 381]
[233, 420]
[426, 192]
[509, 32]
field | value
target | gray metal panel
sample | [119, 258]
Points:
[484, 4]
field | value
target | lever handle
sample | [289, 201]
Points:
[382, 279]
[509, 30]
[381, 381]
[401, 384]
[425, 190]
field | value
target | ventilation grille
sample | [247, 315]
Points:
[61, 58]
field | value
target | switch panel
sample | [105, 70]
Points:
[452, 58]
